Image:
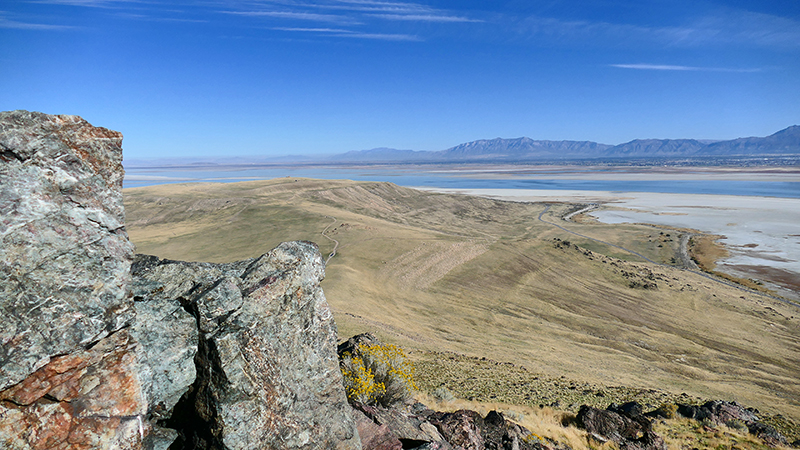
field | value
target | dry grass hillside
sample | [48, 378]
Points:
[479, 278]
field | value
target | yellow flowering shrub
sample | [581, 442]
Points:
[377, 374]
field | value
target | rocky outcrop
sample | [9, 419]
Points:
[181, 355]
[630, 427]
[64, 254]
[168, 336]
[267, 373]
[469, 430]
[374, 436]
[724, 413]
[68, 366]
[623, 425]
[87, 399]
[413, 426]
[410, 429]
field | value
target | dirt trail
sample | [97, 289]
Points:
[686, 260]
[335, 242]
[684, 253]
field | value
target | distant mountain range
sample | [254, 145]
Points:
[784, 142]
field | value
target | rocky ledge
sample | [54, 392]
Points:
[98, 351]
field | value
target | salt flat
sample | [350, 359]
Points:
[761, 234]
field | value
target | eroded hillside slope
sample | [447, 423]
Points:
[482, 277]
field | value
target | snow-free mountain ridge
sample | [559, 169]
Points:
[784, 142]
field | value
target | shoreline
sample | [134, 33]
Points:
[759, 233]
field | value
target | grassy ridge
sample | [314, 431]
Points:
[486, 278]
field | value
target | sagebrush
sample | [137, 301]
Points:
[378, 374]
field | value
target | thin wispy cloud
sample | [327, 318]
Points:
[312, 30]
[729, 28]
[13, 24]
[338, 32]
[402, 11]
[151, 18]
[383, 37]
[681, 68]
[363, 10]
[88, 3]
[363, 19]
[294, 15]
[378, 6]
[424, 18]
[747, 27]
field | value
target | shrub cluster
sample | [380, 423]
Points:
[378, 374]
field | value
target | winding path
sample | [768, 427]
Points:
[335, 242]
[684, 250]
[547, 208]
[686, 260]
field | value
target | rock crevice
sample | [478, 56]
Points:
[267, 372]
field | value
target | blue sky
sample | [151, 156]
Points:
[260, 77]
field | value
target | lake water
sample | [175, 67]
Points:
[472, 179]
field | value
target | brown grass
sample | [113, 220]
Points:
[705, 251]
[480, 277]
[544, 422]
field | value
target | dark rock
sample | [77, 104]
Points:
[609, 424]
[649, 440]
[767, 433]
[351, 345]
[718, 411]
[267, 373]
[501, 434]
[374, 436]
[407, 427]
[468, 430]
[630, 409]
[64, 254]
[721, 412]
[693, 412]
[628, 432]
[460, 428]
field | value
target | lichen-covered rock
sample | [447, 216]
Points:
[64, 254]
[722, 413]
[267, 373]
[89, 399]
[629, 432]
[77, 369]
[374, 436]
[231, 356]
[465, 429]
[168, 335]
[767, 433]
[406, 426]
[460, 428]
[718, 411]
